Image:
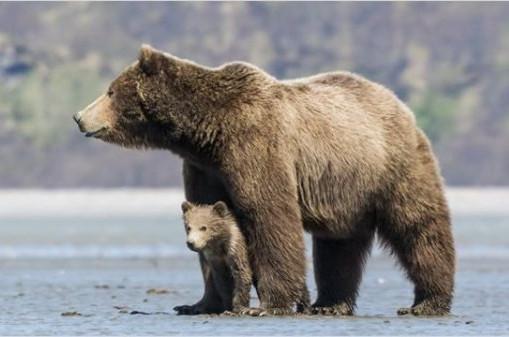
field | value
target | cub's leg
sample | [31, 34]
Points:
[338, 266]
[211, 302]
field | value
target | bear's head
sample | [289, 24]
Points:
[161, 101]
[207, 226]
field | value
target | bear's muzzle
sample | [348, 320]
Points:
[96, 118]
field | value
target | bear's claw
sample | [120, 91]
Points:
[336, 310]
[260, 312]
[437, 306]
[229, 313]
[423, 310]
[252, 312]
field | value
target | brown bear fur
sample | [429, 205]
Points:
[212, 231]
[335, 154]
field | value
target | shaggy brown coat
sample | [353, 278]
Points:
[212, 231]
[335, 154]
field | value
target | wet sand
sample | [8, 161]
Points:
[102, 297]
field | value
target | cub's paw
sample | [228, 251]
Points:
[188, 310]
[404, 311]
[342, 309]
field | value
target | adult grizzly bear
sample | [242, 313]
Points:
[335, 154]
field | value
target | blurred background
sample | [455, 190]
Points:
[448, 61]
[90, 232]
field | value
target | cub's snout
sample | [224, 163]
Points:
[191, 245]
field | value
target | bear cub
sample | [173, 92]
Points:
[212, 231]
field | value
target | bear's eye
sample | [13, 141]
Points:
[187, 228]
[110, 93]
[203, 228]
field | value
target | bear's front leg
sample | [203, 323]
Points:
[267, 207]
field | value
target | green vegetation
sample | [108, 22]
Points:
[39, 106]
[435, 114]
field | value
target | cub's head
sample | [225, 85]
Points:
[147, 105]
[206, 225]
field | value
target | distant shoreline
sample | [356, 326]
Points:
[142, 201]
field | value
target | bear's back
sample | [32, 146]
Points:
[346, 132]
[345, 111]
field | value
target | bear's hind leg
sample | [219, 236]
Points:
[338, 266]
[427, 254]
[416, 226]
[428, 258]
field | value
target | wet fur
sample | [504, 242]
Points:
[335, 154]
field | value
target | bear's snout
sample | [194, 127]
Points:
[96, 118]
[77, 118]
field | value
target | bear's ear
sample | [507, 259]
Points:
[150, 59]
[220, 208]
[186, 206]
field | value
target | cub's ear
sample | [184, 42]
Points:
[220, 208]
[150, 59]
[186, 206]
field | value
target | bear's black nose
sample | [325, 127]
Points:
[191, 246]
[76, 118]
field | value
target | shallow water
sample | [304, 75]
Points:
[101, 267]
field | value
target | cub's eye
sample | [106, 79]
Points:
[187, 228]
[203, 228]
[110, 93]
